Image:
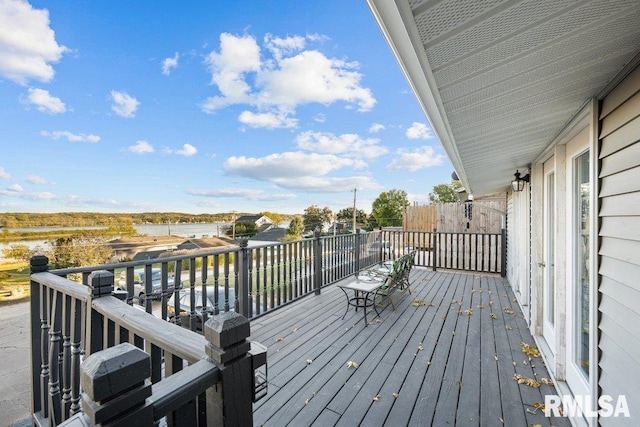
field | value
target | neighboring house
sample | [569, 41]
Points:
[142, 247]
[259, 220]
[206, 244]
[550, 89]
[273, 234]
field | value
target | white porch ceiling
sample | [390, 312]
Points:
[500, 79]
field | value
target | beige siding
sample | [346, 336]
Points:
[619, 288]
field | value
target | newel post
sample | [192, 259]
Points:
[230, 403]
[115, 387]
[101, 284]
[317, 261]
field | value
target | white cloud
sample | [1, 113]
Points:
[71, 137]
[44, 102]
[36, 180]
[28, 45]
[242, 193]
[278, 85]
[187, 150]
[141, 147]
[376, 127]
[289, 165]
[349, 144]
[169, 64]
[16, 188]
[267, 120]
[124, 104]
[420, 158]
[300, 171]
[4, 175]
[419, 131]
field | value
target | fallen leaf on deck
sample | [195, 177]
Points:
[508, 327]
[429, 363]
[490, 303]
[420, 347]
[352, 364]
[494, 316]
[295, 329]
[309, 361]
[509, 311]
[279, 339]
[495, 356]
[529, 350]
[431, 304]
[395, 395]
[501, 420]
[377, 397]
[418, 302]
[468, 312]
[526, 381]
[546, 381]
[480, 306]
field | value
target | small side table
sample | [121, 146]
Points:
[364, 295]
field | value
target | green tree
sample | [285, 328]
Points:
[275, 217]
[346, 215]
[243, 229]
[388, 209]
[445, 193]
[296, 227]
[79, 250]
[314, 217]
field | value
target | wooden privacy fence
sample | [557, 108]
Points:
[463, 217]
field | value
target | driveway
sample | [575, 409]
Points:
[15, 370]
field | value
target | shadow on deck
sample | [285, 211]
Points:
[446, 356]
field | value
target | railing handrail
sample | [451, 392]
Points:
[172, 338]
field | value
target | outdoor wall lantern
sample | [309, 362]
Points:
[518, 183]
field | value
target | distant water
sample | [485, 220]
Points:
[182, 230]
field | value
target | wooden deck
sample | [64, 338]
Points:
[446, 362]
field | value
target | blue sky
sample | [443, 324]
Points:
[205, 106]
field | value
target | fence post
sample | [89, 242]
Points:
[244, 290]
[357, 253]
[503, 253]
[434, 248]
[115, 386]
[317, 264]
[230, 403]
[39, 332]
[101, 284]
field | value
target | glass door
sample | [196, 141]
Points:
[549, 273]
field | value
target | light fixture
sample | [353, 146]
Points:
[518, 183]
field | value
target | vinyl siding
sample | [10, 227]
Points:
[619, 232]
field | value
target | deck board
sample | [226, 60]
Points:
[437, 357]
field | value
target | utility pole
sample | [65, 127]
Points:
[354, 209]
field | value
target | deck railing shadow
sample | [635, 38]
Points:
[72, 321]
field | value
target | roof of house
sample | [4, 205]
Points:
[210, 242]
[500, 81]
[273, 234]
[251, 218]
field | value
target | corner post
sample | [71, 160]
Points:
[503, 253]
[317, 261]
[115, 386]
[231, 402]
[244, 290]
[356, 255]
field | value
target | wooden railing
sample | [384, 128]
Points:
[71, 323]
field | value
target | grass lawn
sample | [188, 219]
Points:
[14, 280]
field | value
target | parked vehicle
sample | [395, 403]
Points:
[386, 248]
[185, 304]
[139, 288]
